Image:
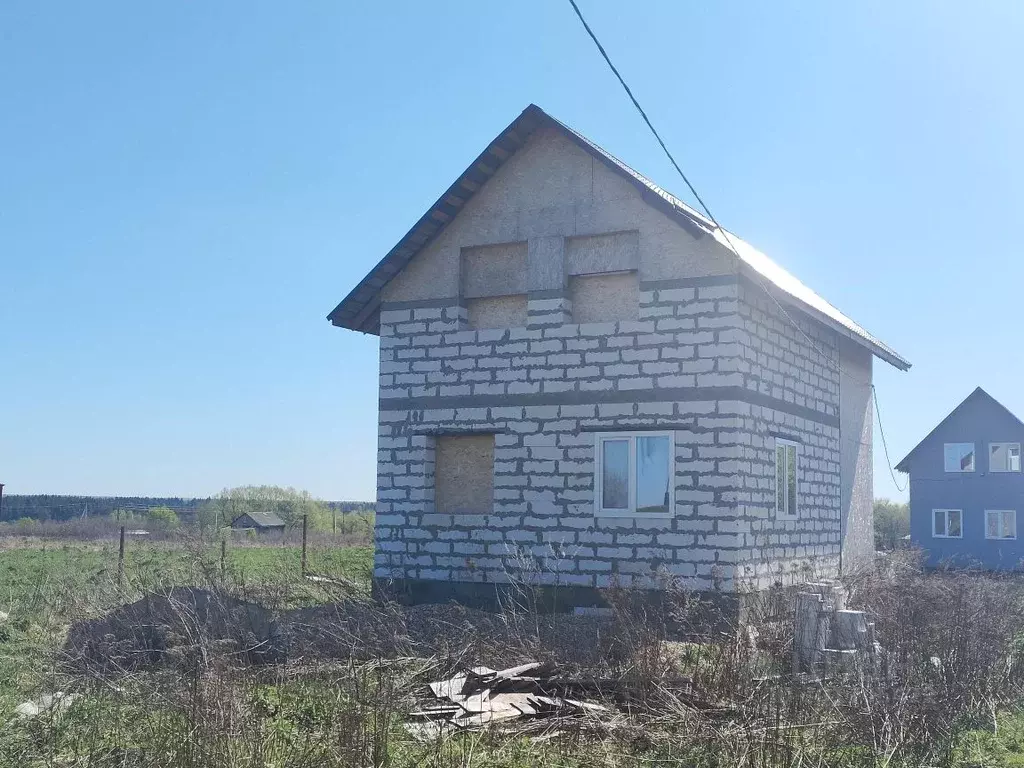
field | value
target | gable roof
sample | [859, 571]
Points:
[360, 310]
[977, 394]
[262, 519]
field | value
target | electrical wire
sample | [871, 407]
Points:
[885, 445]
[640, 109]
[725, 233]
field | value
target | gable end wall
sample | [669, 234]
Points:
[981, 422]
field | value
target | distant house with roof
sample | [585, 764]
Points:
[262, 522]
[966, 486]
[584, 382]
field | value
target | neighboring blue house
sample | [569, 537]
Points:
[966, 487]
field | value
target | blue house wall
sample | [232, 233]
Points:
[980, 420]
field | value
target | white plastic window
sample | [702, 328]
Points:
[635, 472]
[787, 497]
[1000, 524]
[947, 523]
[959, 457]
[1004, 457]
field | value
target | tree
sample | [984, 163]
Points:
[287, 503]
[163, 518]
[892, 523]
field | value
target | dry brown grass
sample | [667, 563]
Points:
[207, 693]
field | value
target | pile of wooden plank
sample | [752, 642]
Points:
[482, 697]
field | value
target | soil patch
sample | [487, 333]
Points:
[185, 621]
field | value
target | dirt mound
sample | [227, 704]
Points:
[150, 630]
[188, 621]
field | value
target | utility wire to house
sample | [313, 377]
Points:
[885, 445]
[725, 234]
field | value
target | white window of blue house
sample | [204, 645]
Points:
[959, 457]
[1000, 524]
[947, 523]
[1004, 457]
[635, 473]
[787, 497]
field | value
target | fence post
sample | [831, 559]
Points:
[223, 559]
[334, 522]
[120, 559]
[305, 530]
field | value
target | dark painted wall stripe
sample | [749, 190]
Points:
[550, 293]
[668, 395]
[688, 282]
[420, 303]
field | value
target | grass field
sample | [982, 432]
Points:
[170, 720]
[45, 586]
[196, 710]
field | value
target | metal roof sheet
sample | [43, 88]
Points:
[358, 310]
[264, 519]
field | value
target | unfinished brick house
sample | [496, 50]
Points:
[581, 384]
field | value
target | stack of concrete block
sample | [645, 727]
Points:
[826, 636]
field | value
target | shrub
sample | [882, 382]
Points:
[163, 518]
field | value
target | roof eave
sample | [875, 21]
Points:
[358, 310]
[880, 351]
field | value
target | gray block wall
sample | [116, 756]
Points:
[791, 363]
[711, 358]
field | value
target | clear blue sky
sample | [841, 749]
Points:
[186, 189]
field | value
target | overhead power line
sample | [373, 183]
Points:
[885, 445]
[725, 234]
[640, 109]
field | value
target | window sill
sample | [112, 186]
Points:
[934, 536]
[787, 518]
[1000, 538]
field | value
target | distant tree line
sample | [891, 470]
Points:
[48, 507]
[222, 508]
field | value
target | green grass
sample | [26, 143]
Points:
[344, 714]
[163, 718]
[1001, 744]
[45, 587]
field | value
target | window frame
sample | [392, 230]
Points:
[974, 463]
[946, 524]
[599, 439]
[1008, 445]
[785, 514]
[1001, 512]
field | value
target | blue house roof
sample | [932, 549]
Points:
[977, 394]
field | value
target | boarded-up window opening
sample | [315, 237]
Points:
[464, 474]
[497, 312]
[604, 298]
[494, 270]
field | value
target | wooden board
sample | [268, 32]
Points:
[446, 689]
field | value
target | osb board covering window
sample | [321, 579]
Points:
[604, 298]
[497, 312]
[494, 270]
[464, 474]
[596, 254]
